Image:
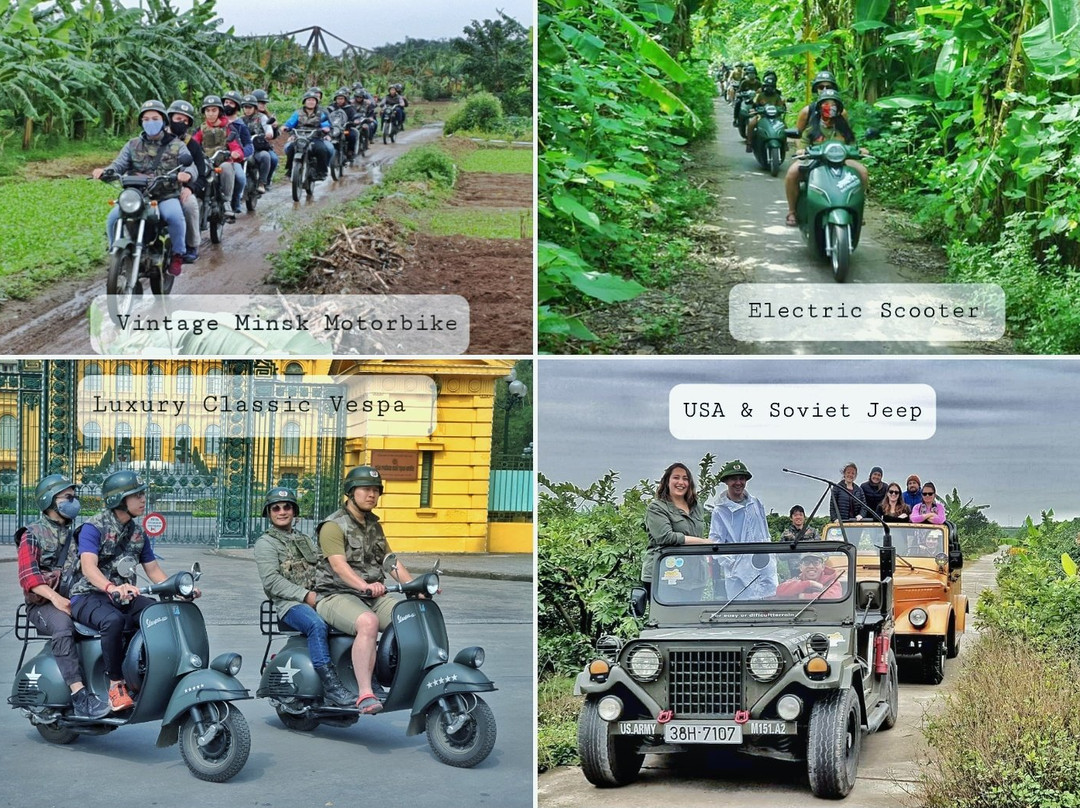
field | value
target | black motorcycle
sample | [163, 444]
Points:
[305, 165]
[411, 662]
[141, 246]
[339, 123]
[391, 121]
[213, 206]
[251, 190]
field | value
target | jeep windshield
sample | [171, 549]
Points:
[910, 541]
[729, 578]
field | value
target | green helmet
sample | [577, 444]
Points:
[118, 485]
[261, 96]
[829, 95]
[363, 477]
[48, 488]
[233, 96]
[824, 77]
[280, 494]
[183, 108]
[212, 101]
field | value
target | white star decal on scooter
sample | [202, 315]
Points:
[33, 676]
[288, 671]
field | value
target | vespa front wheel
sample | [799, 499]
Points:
[215, 748]
[841, 251]
[461, 733]
[774, 160]
[120, 285]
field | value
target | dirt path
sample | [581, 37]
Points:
[55, 322]
[888, 769]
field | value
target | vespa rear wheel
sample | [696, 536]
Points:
[464, 735]
[57, 735]
[222, 756]
[300, 723]
[120, 284]
[841, 251]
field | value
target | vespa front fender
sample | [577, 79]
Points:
[841, 216]
[443, 680]
[200, 687]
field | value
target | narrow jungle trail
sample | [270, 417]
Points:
[888, 769]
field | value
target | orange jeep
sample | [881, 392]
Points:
[930, 607]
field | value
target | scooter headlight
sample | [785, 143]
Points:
[473, 657]
[130, 201]
[185, 584]
[835, 153]
[228, 662]
[431, 583]
[771, 111]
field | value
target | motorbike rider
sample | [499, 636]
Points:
[365, 107]
[156, 151]
[181, 119]
[349, 581]
[310, 116]
[350, 137]
[40, 546]
[768, 94]
[216, 134]
[396, 103]
[823, 80]
[104, 540]
[261, 100]
[261, 133]
[826, 123]
[230, 105]
[750, 82]
[734, 78]
[287, 560]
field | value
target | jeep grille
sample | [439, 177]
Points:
[705, 683]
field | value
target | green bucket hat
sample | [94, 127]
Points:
[734, 467]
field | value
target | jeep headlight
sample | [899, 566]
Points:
[917, 617]
[764, 663]
[644, 663]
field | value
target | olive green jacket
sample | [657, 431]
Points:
[287, 563]
[666, 525]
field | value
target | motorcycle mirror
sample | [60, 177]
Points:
[196, 571]
[389, 565]
[126, 567]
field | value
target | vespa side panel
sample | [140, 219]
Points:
[38, 683]
[422, 644]
[290, 672]
[175, 634]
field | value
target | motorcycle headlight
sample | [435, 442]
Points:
[644, 663]
[130, 201]
[835, 153]
[185, 584]
[917, 617]
[229, 663]
[770, 111]
[764, 663]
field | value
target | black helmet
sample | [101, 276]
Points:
[183, 107]
[212, 101]
[363, 477]
[118, 485]
[829, 95]
[769, 74]
[153, 105]
[343, 92]
[261, 96]
[309, 94]
[233, 96]
[824, 77]
[48, 488]
[249, 101]
[279, 494]
[751, 69]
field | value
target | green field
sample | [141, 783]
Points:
[499, 161]
[480, 223]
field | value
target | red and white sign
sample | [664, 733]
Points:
[154, 524]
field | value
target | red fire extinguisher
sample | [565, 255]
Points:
[881, 654]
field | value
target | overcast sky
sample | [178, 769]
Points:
[370, 24]
[1006, 434]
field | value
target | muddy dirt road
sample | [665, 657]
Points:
[56, 323]
[888, 769]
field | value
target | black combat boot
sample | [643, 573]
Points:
[335, 691]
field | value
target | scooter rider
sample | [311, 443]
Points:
[287, 560]
[216, 134]
[350, 137]
[40, 548]
[103, 541]
[824, 80]
[352, 597]
[230, 105]
[768, 94]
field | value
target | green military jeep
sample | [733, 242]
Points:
[773, 649]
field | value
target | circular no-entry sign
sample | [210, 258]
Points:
[154, 524]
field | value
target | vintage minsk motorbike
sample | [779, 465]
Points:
[169, 673]
[412, 663]
[830, 204]
[213, 206]
[391, 121]
[304, 164]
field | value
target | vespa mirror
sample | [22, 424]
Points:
[126, 567]
[389, 565]
[196, 571]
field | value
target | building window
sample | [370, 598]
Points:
[153, 442]
[213, 381]
[92, 437]
[123, 378]
[124, 448]
[294, 369]
[157, 379]
[427, 462]
[213, 439]
[92, 378]
[9, 433]
[290, 444]
[182, 444]
[183, 380]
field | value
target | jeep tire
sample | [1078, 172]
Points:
[892, 682]
[933, 661]
[606, 760]
[834, 743]
[952, 647]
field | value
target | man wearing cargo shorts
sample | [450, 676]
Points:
[352, 597]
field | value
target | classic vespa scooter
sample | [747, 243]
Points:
[165, 667]
[411, 662]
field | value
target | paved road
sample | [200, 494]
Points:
[887, 771]
[370, 763]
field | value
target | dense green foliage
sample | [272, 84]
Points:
[481, 112]
[615, 111]
[498, 59]
[427, 163]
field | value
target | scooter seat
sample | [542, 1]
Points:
[84, 630]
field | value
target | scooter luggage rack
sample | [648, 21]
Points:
[270, 628]
[25, 631]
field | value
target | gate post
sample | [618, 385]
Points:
[234, 506]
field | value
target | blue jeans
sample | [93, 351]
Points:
[240, 185]
[273, 165]
[171, 212]
[307, 621]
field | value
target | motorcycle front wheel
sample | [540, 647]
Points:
[251, 193]
[464, 735]
[841, 252]
[222, 756]
[299, 161]
[309, 177]
[336, 168]
[362, 143]
[161, 280]
[120, 285]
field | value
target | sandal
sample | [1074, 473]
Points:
[368, 704]
[791, 221]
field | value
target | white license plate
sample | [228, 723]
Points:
[693, 732]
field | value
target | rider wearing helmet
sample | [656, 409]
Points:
[231, 104]
[823, 80]
[396, 103]
[47, 560]
[827, 122]
[261, 100]
[750, 82]
[350, 135]
[181, 119]
[153, 153]
[768, 94]
[309, 116]
[287, 560]
[261, 133]
[349, 582]
[115, 534]
[222, 147]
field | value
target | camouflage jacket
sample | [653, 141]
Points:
[287, 561]
[39, 551]
[140, 154]
[117, 542]
[365, 548]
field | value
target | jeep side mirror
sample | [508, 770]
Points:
[638, 598]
